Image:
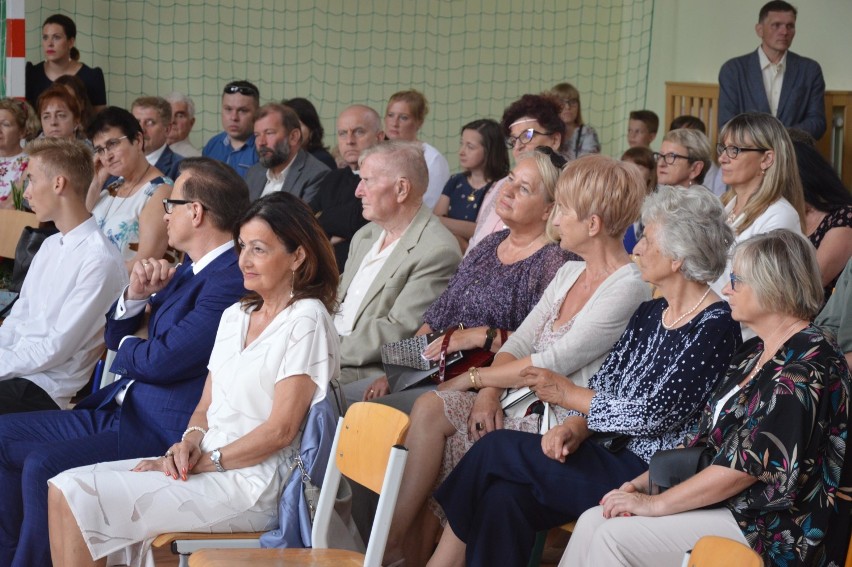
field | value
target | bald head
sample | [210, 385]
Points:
[358, 127]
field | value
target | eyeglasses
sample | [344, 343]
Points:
[555, 158]
[734, 151]
[669, 158]
[241, 89]
[734, 279]
[524, 138]
[570, 101]
[169, 204]
[109, 146]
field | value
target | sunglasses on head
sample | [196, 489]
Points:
[241, 89]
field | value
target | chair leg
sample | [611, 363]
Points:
[538, 549]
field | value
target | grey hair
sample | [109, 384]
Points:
[180, 97]
[691, 228]
[697, 147]
[781, 268]
[402, 159]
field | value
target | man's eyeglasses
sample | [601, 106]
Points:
[669, 158]
[734, 279]
[242, 89]
[169, 204]
[555, 158]
[524, 137]
[108, 146]
[734, 151]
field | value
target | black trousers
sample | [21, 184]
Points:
[20, 395]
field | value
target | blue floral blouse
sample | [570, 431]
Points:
[787, 427]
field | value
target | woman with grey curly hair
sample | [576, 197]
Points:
[647, 394]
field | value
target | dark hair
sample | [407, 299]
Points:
[643, 156]
[544, 108]
[295, 225]
[776, 6]
[158, 103]
[244, 88]
[821, 185]
[496, 155]
[87, 111]
[61, 93]
[688, 122]
[218, 187]
[115, 117]
[307, 114]
[648, 117]
[70, 29]
[289, 118]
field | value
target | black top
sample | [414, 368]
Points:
[325, 157]
[37, 83]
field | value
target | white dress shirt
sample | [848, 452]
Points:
[55, 332]
[773, 78]
[275, 182]
[374, 261]
[155, 155]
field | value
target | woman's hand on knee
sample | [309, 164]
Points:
[619, 503]
[560, 441]
[149, 465]
[486, 415]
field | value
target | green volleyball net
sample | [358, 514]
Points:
[471, 58]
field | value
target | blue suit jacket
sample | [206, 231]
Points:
[802, 101]
[169, 163]
[170, 367]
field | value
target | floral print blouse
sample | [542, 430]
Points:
[787, 427]
[11, 170]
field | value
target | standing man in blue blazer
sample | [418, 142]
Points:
[161, 377]
[773, 79]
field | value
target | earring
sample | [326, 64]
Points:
[293, 285]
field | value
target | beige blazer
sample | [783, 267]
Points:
[414, 275]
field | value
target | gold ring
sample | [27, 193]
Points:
[478, 425]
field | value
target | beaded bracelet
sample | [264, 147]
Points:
[191, 429]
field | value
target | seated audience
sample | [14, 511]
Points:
[580, 316]
[154, 114]
[759, 166]
[74, 85]
[644, 398]
[161, 377]
[235, 146]
[828, 213]
[337, 207]
[836, 316]
[517, 263]
[61, 57]
[17, 124]
[645, 160]
[683, 159]
[775, 427]
[284, 164]
[53, 335]
[128, 210]
[183, 119]
[312, 130]
[404, 117]
[483, 156]
[642, 128]
[274, 356]
[580, 139]
[398, 264]
[532, 117]
[60, 114]
[712, 175]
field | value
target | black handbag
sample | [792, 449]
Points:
[612, 442]
[29, 243]
[673, 466]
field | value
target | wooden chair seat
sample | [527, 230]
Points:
[166, 540]
[715, 551]
[12, 224]
[275, 557]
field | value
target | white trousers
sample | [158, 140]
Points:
[642, 541]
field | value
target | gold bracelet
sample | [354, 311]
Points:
[470, 372]
[479, 378]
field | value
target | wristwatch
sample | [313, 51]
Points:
[216, 457]
[490, 335]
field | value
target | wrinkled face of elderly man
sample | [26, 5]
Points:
[381, 192]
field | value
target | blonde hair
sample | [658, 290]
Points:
[549, 174]
[603, 186]
[72, 159]
[566, 92]
[25, 117]
[781, 179]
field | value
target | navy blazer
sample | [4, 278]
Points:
[303, 177]
[169, 163]
[170, 367]
[802, 101]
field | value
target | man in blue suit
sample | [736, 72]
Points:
[162, 377]
[154, 114]
[773, 79]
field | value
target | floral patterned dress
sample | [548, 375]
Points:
[11, 171]
[787, 427]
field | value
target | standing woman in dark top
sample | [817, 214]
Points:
[61, 57]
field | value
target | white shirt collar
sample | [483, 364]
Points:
[212, 255]
[765, 62]
[154, 156]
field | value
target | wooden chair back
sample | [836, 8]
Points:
[12, 224]
[715, 551]
[369, 431]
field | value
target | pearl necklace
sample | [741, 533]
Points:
[679, 319]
